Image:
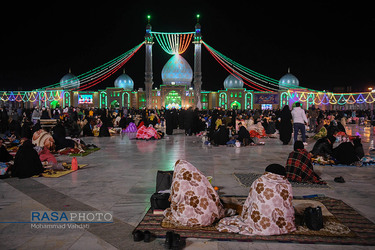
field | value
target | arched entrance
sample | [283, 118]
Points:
[235, 105]
[172, 100]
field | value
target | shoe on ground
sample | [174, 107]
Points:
[305, 144]
[138, 236]
[339, 179]
[147, 236]
[168, 240]
[178, 242]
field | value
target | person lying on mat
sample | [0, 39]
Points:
[268, 210]
[299, 166]
[194, 202]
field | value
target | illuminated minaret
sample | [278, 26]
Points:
[197, 64]
[148, 64]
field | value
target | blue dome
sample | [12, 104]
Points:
[69, 81]
[233, 82]
[178, 71]
[288, 81]
[124, 81]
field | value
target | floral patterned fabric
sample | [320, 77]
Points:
[194, 202]
[268, 210]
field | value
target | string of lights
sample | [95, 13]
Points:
[100, 73]
[271, 84]
[327, 98]
[229, 67]
[173, 43]
[105, 73]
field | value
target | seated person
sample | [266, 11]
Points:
[271, 127]
[268, 210]
[324, 146]
[103, 131]
[4, 154]
[59, 136]
[321, 131]
[244, 135]
[299, 166]
[194, 202]
[345, 153]
[46, 156]
[87, 128]
[42, 138]
[221, 136]
[26, 162]
[358, 147]
[26, 130]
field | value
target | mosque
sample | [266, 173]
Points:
[181, 87]
[176, 91]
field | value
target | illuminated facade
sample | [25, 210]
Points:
[181, 86]
[172, 95]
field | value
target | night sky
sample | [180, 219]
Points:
[325, 44]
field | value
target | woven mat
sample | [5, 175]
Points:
[86, 153]
[248, 179]
[57, 174]
[362, 228]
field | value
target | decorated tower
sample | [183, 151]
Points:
[197, 64]
[148, 64]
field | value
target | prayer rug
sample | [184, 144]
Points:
[353, 228]
[247, 179]
[56, 174]
[87, 152]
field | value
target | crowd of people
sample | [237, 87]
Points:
[268, 209]
[217, 126]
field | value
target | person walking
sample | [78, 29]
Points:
[299, 121]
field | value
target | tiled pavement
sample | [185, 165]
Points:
[121, 178]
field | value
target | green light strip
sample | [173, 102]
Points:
[100, 70]
[269, 80]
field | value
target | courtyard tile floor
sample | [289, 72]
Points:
[121, 178]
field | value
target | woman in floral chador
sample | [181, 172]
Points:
[268, 209]
[194, 202]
